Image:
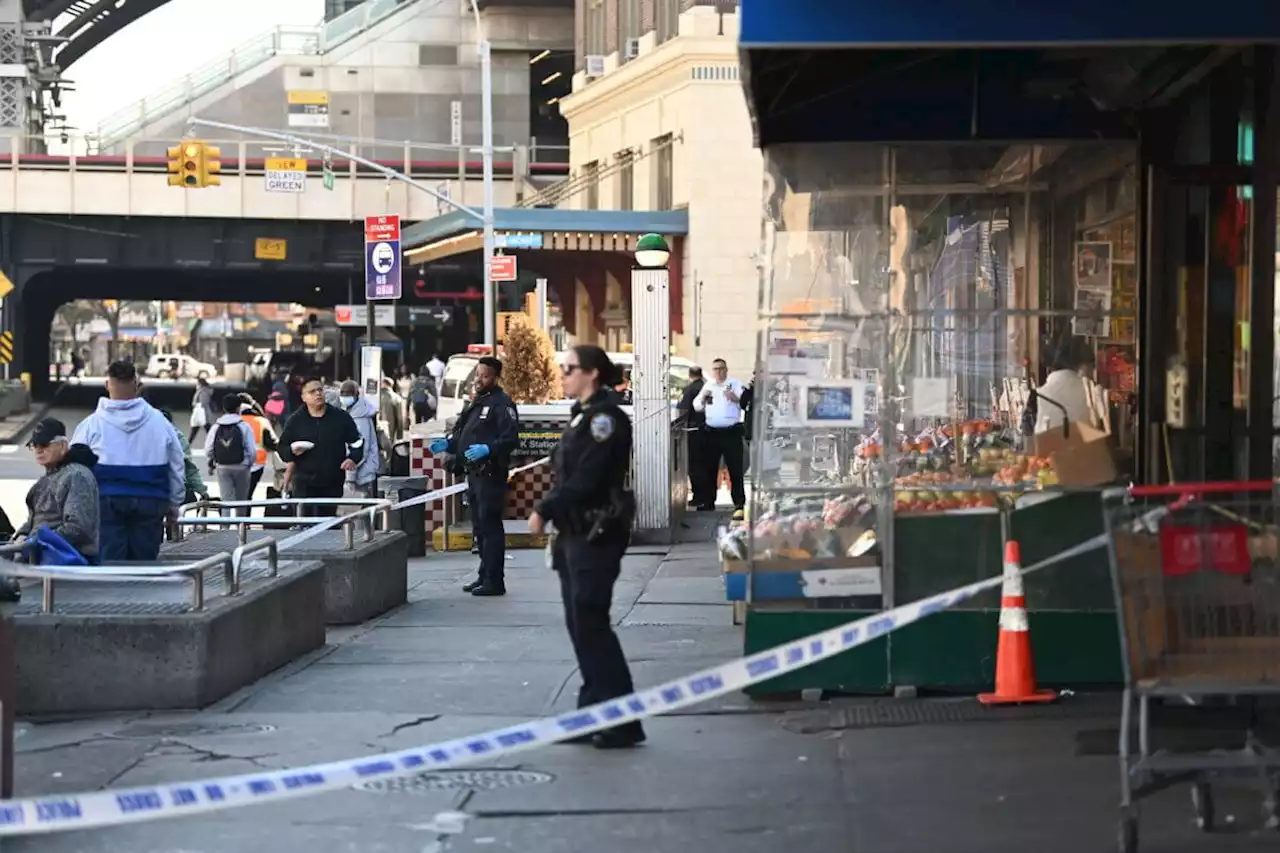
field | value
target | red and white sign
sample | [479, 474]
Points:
[502, 268]
[380, 229]
[1221, 548]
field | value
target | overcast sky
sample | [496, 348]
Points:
[155, 52]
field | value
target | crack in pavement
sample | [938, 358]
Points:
[204, 755]
[417, 721]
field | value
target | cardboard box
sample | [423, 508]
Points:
[1082, 457]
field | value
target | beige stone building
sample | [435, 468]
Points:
[658, 121]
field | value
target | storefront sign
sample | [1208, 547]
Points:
[358, 315]
[537, 443]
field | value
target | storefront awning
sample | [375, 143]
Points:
[541, 229]
[1003, 23]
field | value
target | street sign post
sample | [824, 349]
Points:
[286, 175]
[382, 257]
[502, 268]
[455, 123]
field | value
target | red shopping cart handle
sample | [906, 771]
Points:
[1202, 488]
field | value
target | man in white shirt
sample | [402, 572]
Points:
[435, 368]
[721, 402]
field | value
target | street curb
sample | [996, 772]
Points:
[35, 418]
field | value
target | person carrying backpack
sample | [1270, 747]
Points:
[232, 453]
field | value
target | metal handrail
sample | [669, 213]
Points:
[244, 551]
[365, 518]
[49, 575]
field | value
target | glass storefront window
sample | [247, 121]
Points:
[933, 313]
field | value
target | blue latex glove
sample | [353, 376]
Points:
[438, 445]
[476, 452]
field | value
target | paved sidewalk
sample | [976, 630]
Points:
[731, 777]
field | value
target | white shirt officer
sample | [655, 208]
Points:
[720, 399]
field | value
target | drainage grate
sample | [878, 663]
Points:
[887, 714]
[144, 731]
[450, 780]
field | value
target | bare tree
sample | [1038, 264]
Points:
[112, 310]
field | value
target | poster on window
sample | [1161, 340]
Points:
[1092, 302]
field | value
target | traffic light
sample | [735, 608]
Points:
[194, 164]
[210, 165]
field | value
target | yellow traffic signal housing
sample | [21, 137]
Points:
[175, 165]
[210, 165]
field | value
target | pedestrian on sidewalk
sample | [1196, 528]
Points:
[721, 402]
[203, 412]
[264, 438]
[232, 453]
[192, 480]
[362, 479]
[321, 443]
[391, 410]
[695, 425]
[422, 396]
[139, 470]
[481, 443]
[65, 499]
[592, 511]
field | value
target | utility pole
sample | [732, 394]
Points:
[486, 156]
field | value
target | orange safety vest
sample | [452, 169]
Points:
[258, 425]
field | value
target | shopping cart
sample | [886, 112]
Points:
[1196, 571]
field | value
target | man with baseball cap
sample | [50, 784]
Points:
[65, 499]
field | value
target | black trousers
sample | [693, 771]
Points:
[728, 444]
[488, 500]
[703, 490]
[318, 490]
[588, 571]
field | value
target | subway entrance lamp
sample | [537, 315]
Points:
[652, 251]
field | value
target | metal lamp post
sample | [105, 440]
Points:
[486, 157]
[651, 389]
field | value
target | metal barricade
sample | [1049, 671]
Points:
[239, 555]
[1196, 574]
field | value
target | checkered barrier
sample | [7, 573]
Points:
[524, 491]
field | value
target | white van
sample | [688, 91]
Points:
[460, 374]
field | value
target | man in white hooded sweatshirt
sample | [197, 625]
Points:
[140, 470]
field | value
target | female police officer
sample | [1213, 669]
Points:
[592, 511]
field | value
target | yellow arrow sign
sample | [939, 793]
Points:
[6, 286]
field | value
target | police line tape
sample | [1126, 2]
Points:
[136, 805]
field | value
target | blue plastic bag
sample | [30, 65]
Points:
[47, 548]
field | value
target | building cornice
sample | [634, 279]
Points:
[653, 67]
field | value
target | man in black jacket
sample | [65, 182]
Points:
[481, 443]
[320, 443]
[695, 423]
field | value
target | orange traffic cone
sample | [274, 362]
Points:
[1015, 671]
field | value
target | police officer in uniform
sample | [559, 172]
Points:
[592, 509]
[481, 443]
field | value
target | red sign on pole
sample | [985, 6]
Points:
[502, 268]
[380, 228]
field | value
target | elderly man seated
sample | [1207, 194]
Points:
[65, 499]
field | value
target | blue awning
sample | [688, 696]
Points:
[1003, 23]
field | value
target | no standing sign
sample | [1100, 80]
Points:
[382, 257]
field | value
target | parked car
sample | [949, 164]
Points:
[179, 366]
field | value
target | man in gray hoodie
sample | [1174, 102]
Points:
[364, 414]
[232, 451]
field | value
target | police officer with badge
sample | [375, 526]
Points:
[592, 509]
[481, 444]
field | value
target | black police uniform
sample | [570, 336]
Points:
[490, 419]
[592, 513]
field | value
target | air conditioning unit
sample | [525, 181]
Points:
[632, 49]
[594, 66]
